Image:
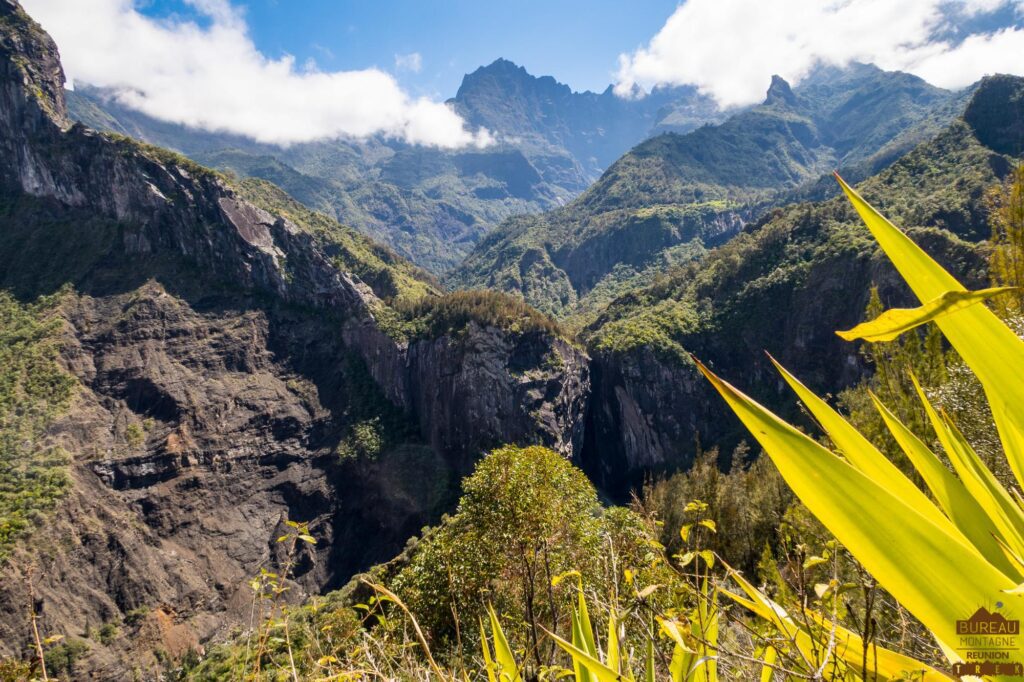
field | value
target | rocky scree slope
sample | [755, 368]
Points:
[234, 370]
[673, 196]
[784, 285]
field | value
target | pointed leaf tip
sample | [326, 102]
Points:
[895, 321]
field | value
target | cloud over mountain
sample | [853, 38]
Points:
[731, 48]
[209, 74]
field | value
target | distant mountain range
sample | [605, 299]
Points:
[673, 196]
[433, 206]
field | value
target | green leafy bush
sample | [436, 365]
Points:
[364, 440]
[527, 515]
[433, 316]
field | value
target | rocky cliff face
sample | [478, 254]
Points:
[489, 388]
[224, 364]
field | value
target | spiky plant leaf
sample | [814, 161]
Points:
[503, 656]
[593, 666]
[962, 508]
[990, 348]
[895, 321]
[923, 564]
[488, 661]
[612, 655]
[859, 452]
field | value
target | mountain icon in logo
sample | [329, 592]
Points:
[984, 622]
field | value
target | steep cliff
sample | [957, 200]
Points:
[237, 366]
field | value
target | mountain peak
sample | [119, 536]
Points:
[780, 91]
[502, 77]
[502, 65]
[28, 51]
[501, 72]
[500, 69]
[996, 113]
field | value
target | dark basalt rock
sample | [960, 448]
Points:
[780, 92]
[996, 113]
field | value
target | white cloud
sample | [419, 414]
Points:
[213, 77]
[409, 62]
[730, 48]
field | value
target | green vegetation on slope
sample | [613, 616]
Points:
[528, 531]
[434, 316]
[129, 145]
[941, 184]
[33, 390]
[695, 189]
[526, 516]
[431, 205]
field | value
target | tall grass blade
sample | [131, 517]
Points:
[612, 657]
[589, 663]
[768, 658]
[508, 670]
[488, 661]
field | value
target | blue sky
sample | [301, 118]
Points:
[576, 41]
[287, 71]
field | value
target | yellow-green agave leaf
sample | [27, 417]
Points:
[488, 661]
[990, 348]
[768, 658]
[976, 477]
[586, 627]
[612, 657]
[935, 574]
[896, 321]
[582, 636]
[859, 452]
[962, 508]
[579, 641]
[506, 661]
[588, 662]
